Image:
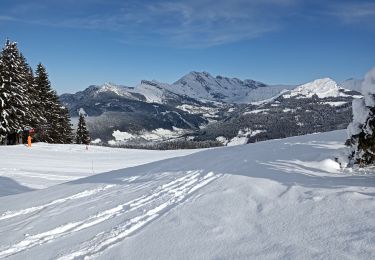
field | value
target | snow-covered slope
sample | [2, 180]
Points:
[151, 91]
[323, 88]
[156, 92]
[281, 199]
[45, 165]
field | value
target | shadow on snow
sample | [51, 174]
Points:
[10, 187]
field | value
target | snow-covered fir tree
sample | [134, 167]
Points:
[34, 112]
[29, 102]
[362, 129]
[82, 135]
[65, 127]
[54, 126]
[48, 106]
[14, 99]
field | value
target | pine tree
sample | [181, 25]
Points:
[82, 135]
[55, 119]
[34, 113]
[28, 101]
[362, 129]
[14, 101]
[54, 126]
[43, 87]
[65, 127]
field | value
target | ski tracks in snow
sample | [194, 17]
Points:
[86, 193]
[134, 215]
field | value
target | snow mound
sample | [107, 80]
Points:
[327, 165]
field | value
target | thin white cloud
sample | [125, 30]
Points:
[196, 23]
[207, 23]
[353, 12]
[6, 18]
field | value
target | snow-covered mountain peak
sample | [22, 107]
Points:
[195, 76]
[111, 88]
[108, 86]
[204, 86]
[206, 78]
[323, 88]
[153, 91]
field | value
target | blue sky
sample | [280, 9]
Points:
[275, 41]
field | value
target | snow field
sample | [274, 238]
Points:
[284, 198]
[45, 165]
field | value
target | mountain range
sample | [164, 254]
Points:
[201, 108]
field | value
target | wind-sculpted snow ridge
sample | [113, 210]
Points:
[134, 214]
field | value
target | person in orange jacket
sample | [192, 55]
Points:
[29, 141]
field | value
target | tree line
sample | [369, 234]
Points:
[27, 100]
